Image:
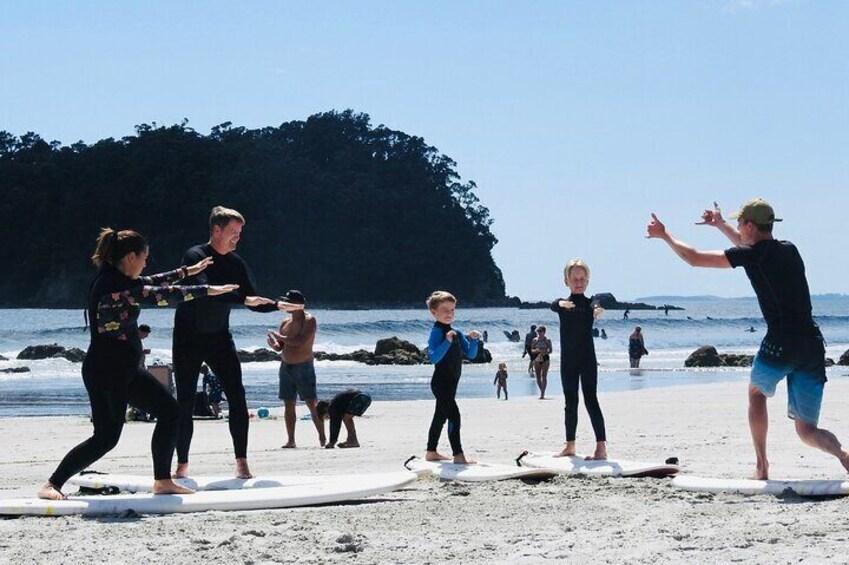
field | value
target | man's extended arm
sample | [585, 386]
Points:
[691, 255]
[714, 218]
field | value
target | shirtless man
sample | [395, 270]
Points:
[294, 341]
[793, 345]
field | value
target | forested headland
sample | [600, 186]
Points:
[350, 213]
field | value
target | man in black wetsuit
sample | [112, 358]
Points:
[202, 334]
[793, 345]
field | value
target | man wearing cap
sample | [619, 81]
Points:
[793, 346]
[294, 340]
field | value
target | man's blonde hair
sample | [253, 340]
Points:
[575, 264]
[438, 297]
[221, 216]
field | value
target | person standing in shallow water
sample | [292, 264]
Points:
[636, 347]
[542, 348]
[578, 362]
[111, 370]
[202, 334]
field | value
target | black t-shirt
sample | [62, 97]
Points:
[777, 274]
[576, 326]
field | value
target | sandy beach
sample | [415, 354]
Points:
[568, 519]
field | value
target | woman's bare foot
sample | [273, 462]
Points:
[600, 452]
[761, 473]
[568, 450]
[182, 471]
[242, 470]
[348, 444]
[435, 456]
[461, 459]
[289, 445]
[167, 486]
[49, 492]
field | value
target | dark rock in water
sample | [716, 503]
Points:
[74, 355]
[607, 301]
[3, 358]
[829, 362]
[260, 355]
[707, 356]
[844, 359]
[35, 352]
[15, 370]
[391, 344]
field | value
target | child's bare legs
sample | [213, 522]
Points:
[318, 422]
[289, 416]
[348, 420]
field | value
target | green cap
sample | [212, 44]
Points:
[758, 211]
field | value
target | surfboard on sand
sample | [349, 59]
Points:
[808, 488]
[144, 483]
[353, 487]
[478, 472]
[577, 465]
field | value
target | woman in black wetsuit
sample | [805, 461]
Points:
[111, 370]
[577, 357]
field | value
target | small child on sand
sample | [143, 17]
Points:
[342, 409]
[501, 380]
[577, 359]
[446, 348]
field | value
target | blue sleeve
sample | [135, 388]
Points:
[469, 346]
[437, 346]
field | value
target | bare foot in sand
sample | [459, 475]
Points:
[568, 450]
[461, 459]
[289, 445]
[435, 456]
[600, 452]
[49, 492]
[167, 486]
[182, 471]
[348, 444]
[761, 473]
[242, 470]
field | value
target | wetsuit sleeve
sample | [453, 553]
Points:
[555, 306]
[152, 296]
[247, 287]
[437, 346]
[740, 256]
[469, 346]
[164, 278]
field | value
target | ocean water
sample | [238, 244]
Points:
[54, 387]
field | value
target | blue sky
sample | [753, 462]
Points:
[575, 119]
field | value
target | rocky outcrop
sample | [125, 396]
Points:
[3, 358]
[36, 352]
[15, 370]
[74, 355]
[708, 356]
[260, 355]
[392, 344]
[844, 359]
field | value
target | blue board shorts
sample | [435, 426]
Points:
[805, 384]
[297, 379]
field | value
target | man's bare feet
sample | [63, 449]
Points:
[435, 456]
[167, 486]
[568, 450]
[182, 471]
[242, 470]
[461, 459]
[348, 444]
[761, 473]
[289, 445]
[49, 492]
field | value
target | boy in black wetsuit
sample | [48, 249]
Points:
[341, 410]
[577, 357]
[793, 346]
[446, 348]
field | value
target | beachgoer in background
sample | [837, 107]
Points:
[751, 329]
[485, 336]
[111, 370]
[529, 340]
[144, 332]
[294, 340]
[636, 347]
[578, 361]
[625, 314]
[666, 309]
[542, 348]
[213, 389]
[501, 380]
[202, 334]
[793, 346]
[446, 348]
[342, 409]
[603, 334]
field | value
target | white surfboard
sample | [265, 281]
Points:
[353, 487]
[478, 472]
[144, 483]
[577, 465]
[754, 487]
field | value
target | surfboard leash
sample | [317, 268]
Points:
[519, 458]
[407, 461]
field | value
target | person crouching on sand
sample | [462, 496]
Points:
[341, 410]
[111, 370]
[577, 357]
[446, 348]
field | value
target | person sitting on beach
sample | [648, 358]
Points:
[294, 340]
[542, 348]
[636, 347]
[213, 388]
[793, 346]
[446, 348]
[111, 370]
[501, 380]
[578, 361]
[342, 409]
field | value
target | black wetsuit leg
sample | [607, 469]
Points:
[569, 377]
[188, 357]
[445, 391]
[147, 393]
[224, 362]
[589, 388]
